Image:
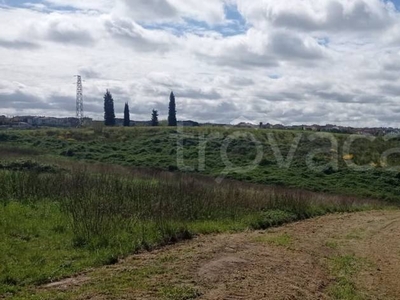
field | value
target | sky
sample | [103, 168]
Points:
[290, 62]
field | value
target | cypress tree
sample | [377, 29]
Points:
[109, 114]
[172, 111]
[154, 118]
[127, 118]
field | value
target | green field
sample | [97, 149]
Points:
[157, 148]
[82, 198]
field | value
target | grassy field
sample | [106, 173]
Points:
[70, 200]
[201, 153]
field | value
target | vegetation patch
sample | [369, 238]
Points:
[28, 165]
[56, 224]
[273, 218]
[179, 293]
[283, 240]
[90, 197]
[357, 234]
[344, 268]
[332, 244]
[157, 148]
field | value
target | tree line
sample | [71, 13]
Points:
[109, 112]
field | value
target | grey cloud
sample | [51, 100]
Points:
[336, 96]
[351, 98]
[295, 20]
[21, 101]
[92, 105]
[145, 108]
[360, 18]
[89, 73]
[393, 119]
[380, 75]
[204, 111]
[154, 91]
[62, 102]
[302, 116]
[225, 107]
[241, 59]
[279, 96]
[61, 32]
[18, 45]
[391, 89]
[393, 65]
[133, 35]
[182, 92]
[280, 46]
[288, 47]
[240, 81]
[371, 99]
[150, 9]
[197, 94]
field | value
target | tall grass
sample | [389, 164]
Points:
[54, 224]
[101, 205]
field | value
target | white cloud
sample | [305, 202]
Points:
[101, 5]
[158, 11]
[131, 34]
[322, 15]
[328, 61]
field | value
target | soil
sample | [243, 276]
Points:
[290, 262]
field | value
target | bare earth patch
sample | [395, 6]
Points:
[346, 256]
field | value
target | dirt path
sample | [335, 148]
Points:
[350, 256]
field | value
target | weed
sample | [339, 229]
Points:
[332, 244]
[283, 240]
[345, 268]
[179, 293]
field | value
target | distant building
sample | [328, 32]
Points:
[21, 125]
[3, 120]
[34, 121]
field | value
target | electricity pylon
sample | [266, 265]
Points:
[79, 100]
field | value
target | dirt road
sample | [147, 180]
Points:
[349, 256]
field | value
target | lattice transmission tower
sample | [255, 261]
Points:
[79, 99]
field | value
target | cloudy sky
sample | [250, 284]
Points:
[290, 62]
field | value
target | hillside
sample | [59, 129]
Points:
[226, 153]
[81, 199]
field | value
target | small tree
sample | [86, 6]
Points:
[154, 118]
[109, 114]
[172, 111]
[127, 118]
